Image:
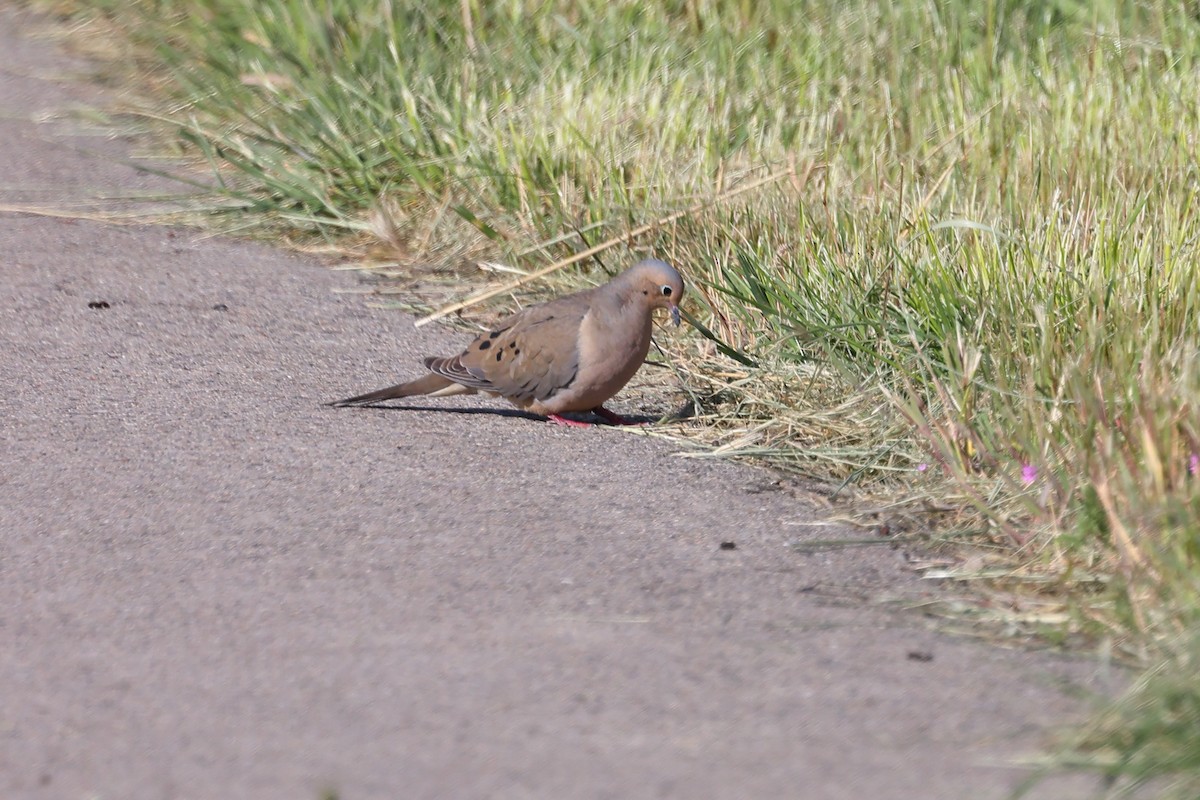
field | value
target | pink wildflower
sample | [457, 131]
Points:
[1029, 474]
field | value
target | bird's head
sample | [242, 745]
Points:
[658, 284]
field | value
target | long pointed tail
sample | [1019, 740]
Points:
[428, 384]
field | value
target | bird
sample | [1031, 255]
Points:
[570, 354]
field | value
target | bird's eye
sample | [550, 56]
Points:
[666, 290]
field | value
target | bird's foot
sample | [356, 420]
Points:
[613, 419]
[570, 423]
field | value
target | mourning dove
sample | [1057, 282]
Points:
[570, 354]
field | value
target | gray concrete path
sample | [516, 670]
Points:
[211, 586]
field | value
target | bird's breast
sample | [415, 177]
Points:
[611, 349]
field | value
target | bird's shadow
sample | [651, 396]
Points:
[495, 412]
[515, 413]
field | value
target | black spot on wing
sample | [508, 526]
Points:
[485, 344]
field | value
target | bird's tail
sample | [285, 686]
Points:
[429, 384]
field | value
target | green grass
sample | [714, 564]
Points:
[976, 282]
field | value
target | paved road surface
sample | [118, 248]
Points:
[211, 586]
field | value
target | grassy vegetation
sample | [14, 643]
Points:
[973, 286]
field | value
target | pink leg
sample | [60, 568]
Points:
[571, 423]
[613, 419]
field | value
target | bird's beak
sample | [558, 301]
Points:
[674, 315]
